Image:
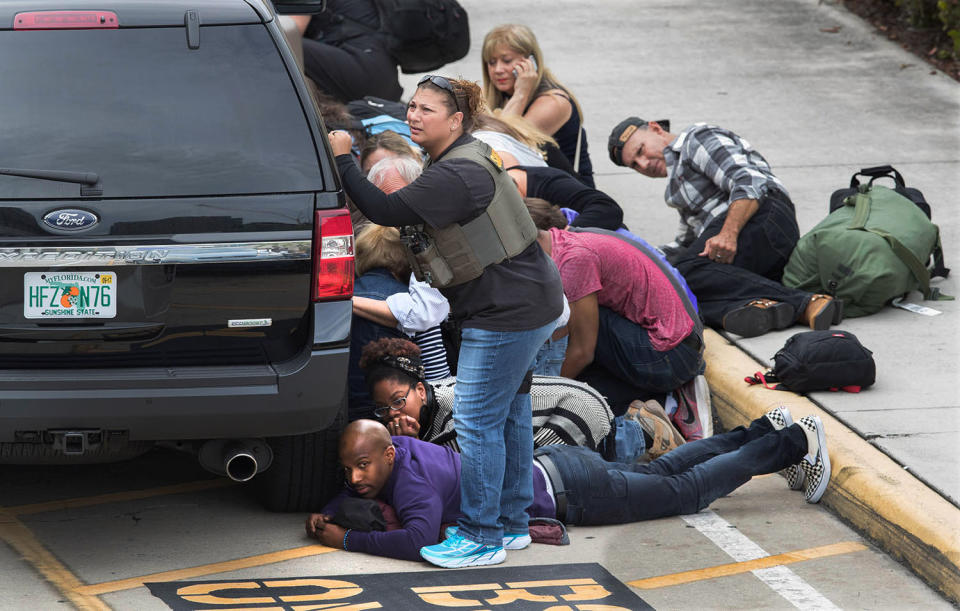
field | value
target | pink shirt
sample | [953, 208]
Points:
[625, 280]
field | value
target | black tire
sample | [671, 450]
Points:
[304, 474]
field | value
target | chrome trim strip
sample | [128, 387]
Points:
[161, 254]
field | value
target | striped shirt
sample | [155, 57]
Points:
[432, 354]
[565, 411]
[708, 168]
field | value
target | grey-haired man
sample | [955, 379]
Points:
[737, 227]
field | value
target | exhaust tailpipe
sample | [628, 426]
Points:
[240, 465]
[238, 459]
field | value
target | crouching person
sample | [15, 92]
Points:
[421, 482]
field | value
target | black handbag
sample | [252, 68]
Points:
[820, 360]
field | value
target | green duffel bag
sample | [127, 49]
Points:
[867, 252]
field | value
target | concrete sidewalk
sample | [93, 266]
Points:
[821, 95]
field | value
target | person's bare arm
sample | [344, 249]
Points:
[583, 328]
[374, 310]
[302, 22]
[722, 247]
[549, 112]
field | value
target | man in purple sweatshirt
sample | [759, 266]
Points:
[421, 482]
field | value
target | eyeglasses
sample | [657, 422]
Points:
[442, 83]
[382, 411]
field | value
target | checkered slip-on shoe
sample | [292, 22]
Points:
[456, 552]
[510, 541]
[816, 464]
[780, 418]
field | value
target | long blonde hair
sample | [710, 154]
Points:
[521, 40]
[514, 126]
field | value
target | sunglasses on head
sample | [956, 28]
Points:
[442, 83]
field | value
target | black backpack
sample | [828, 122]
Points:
[820, 360]
[423, 35]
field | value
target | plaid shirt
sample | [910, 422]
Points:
[709, 167]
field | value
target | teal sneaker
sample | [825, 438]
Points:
[510, 541]
[455, 552]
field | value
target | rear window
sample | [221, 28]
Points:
[152, 117]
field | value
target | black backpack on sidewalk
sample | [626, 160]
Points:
[820, 360]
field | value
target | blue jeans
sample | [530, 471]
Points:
[624, 349]
[628, 443]
[495, 431]
[682, 481]
[550, 357]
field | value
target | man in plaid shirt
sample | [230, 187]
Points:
[737, 225]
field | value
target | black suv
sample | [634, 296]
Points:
[176, 261]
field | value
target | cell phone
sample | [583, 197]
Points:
[533, 61]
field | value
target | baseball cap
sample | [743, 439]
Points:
[622, 132]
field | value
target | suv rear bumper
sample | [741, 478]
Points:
[302, 395]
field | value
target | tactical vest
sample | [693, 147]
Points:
[459, 252]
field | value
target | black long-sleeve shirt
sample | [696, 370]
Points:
[596, 208]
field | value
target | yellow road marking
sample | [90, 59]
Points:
[117, 497]
[22, 540]
[736, 568]
[206, 569]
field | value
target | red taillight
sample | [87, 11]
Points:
[66, 20]
[332, 255]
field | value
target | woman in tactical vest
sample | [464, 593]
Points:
[470, 235]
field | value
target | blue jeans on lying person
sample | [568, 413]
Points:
[682, 481]
[494, 428]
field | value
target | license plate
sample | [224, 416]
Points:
[59, 295]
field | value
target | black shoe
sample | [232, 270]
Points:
[758, 317]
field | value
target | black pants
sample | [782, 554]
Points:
[682, 481]
[763, 249]
[356, 68]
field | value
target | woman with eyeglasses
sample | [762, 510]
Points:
[506, 314]
[564, 411]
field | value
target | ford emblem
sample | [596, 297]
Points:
[70, 220]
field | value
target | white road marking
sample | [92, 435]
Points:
[780, 579]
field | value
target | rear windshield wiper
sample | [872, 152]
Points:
[89, 181]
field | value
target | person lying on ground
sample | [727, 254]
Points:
[738, 225]
[630, 315]
[421, 482]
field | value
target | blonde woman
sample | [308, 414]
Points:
[516, 79]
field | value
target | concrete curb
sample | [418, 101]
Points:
[879, 498]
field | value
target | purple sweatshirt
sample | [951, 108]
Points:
[424, 490]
